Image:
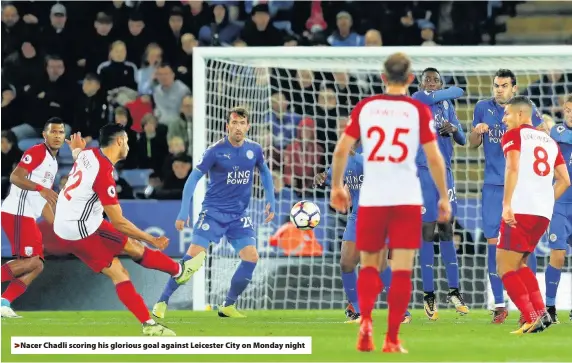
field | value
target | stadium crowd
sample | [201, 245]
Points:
[130, 62]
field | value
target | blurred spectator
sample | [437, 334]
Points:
[25, 67]
[176, 146]
[96, 48]
[137, 37]
[152, 144]
[327, 114]
[284, 123]
[117, 72]
[168, 94]
[152, 57]
[303, 157]
[303, 92]
[90, 109]
[183, 126]
[57, 37]
[344, 36]
[546, 91]
[138, 108]
[174, 182]
[198, 15]
[220, 31]
[184, 63]
[274, 7]
[124, 190]
[13, 29]
[11, 154]
[427, 33]
[347, 90]
[122, 116]
[172, 40]
[259, 31]
[373, 38]
[10, 108]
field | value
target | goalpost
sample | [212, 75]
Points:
[283, 87]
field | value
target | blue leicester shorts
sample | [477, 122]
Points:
[431, 195]
[492, 209]
[560, 229]
[350, 231]
[213, 225]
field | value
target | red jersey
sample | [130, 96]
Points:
[391, 130]
[42, 168]
[539, 155]
[79, 211]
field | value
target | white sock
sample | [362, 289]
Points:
[501, 305]
[180, 271]
[150, 322]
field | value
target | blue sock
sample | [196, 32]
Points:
[531, 262]
[427, 258]
[449, 258]
[386, 277]
[240, 281]
[496, 282]
[552, 278]
[349, 280]
[172, 285]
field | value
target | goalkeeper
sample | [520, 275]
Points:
[350, 255]
[449, 129]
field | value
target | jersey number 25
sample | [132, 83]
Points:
[395, 158]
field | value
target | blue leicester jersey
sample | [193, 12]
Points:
[353, 178]
[443, 112]
[491, 113]
[231, 172]
[563, 136]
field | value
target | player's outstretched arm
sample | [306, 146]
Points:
[434, 97]
[268, 185]
[188, 192]
[123, 225]
[562, 177]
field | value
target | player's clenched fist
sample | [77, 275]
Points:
[481, 128]
[161, 242]
[180, 224]
[340, 199]
[50, 196]
[444, 210]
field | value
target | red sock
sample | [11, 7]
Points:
[529, 280]
[397, 300]
[14, 290]
[157, 260]
[7, 274]
[132, 300]
[369, 286]
[519, 295]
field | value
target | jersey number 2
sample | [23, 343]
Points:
[71, 185]
[374, 156]
[541, 158]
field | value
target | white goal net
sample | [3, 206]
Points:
[296, 94]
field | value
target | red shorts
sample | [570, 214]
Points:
[98, 250]
[526, 234]
[24, 235]
[400, 224]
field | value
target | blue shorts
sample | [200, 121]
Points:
[492, 209]
[213, 225]
[350, 231]
[431, 195]
[560, 229]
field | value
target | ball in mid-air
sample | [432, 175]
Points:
[305, 215]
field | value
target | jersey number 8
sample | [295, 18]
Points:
[374, 156]
[540, 165]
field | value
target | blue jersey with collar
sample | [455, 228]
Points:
[353, 178]
[231, 173]
[442, 111]
[562, 134]
[491, 113]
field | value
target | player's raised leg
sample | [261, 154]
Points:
[132, 300]
[20, 273]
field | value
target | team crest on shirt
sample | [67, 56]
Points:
[111, 191]
[560, 129]
[250, 154]
[423, 210]
[28, 251]
[553, 237]
[446, 105]
[205, 227]
[27, 159]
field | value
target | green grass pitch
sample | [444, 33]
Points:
[453, 338]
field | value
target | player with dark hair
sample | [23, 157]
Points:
[31, 196]
[89, 192]
[230, 163]
[560, 231]
[448, 127]
[488, 130]
[391, 128]
[533, 164]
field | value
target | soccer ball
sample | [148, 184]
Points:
[305, 215]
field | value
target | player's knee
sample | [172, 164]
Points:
[134, 249]
[445, 232]
[38, 266]
[428, 232]
[347, 264]
[249, 253]
[557, 258]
